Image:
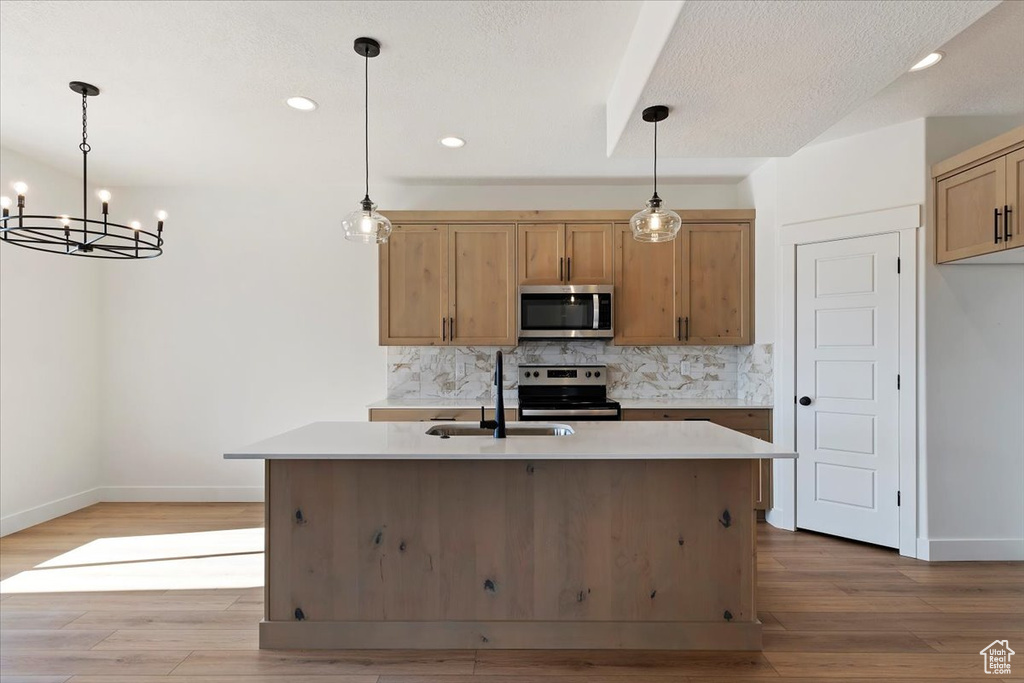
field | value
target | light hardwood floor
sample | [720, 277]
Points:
[831, 609]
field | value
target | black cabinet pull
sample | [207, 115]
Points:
[686, 325]
[995, 224]
[1006, 222]
[444, 330]
[568, 269]
[561, 262]
[451, 329]
[679, 329]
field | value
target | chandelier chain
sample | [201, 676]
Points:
[85, 127]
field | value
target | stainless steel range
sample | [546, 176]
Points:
[565, 392]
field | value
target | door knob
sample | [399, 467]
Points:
[805, 400]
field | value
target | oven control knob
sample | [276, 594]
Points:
[526, 374]
[588, 373]
[536, 374]
[597, 373]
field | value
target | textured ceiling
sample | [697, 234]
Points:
[766, 77]
[193, 91]
[981, 75]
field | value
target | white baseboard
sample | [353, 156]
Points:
[47, 511]
[970, 549]
[181, 494]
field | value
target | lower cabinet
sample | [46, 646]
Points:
[756, 423]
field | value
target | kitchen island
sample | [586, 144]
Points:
[621, 535]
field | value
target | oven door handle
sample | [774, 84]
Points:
[569, 412]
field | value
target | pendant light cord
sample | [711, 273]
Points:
[366, 118]
[86, 148]
[655, 157]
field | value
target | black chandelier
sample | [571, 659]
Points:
[80, 236]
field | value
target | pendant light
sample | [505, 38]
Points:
[655, 223]
[80, 235]
[365, 224]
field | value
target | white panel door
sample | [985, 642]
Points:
[847, 360]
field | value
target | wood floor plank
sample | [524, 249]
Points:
[50, 639]
[1013, 604]
[35, 619]
[887, 666]
[487, 678]
[189, 639]
[968, 643]
[89, 662]
[843, 641]
[282, 663]
[840, 621]
[198, 620]
[340, 678]
[126, 601]
[621, 663]
[33, 679]
[846, 603]
[963, 623]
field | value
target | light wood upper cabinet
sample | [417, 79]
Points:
[588, 254]
[541, 253]
[1015, 198]
[978, 196]
[969, 207]
[481, 285]
[414, 286]
[716, 285]
[565, 254]
[647, 284]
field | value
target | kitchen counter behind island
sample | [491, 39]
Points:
[633, 536]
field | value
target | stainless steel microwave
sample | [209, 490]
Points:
[566, 312]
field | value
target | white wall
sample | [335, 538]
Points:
[973, 431]
[259, 318]
[877, 170]
[49, 363]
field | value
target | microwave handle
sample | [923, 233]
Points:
[597, 312]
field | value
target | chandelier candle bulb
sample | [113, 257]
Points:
[5, 206]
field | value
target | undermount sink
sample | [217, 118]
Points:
[513, 429]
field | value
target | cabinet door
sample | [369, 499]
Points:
[541, 254]
[588, 254]
[716, 291]
[481, 284]
[1014, 198]
[966, 223]
[647, 283]
[414, 286]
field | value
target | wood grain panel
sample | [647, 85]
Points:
[965, 224]
[482, 290]
[588, 250]
[1015, 197]
[489, 541]
[414, 286]
[541, 253]
[717, 285]
[647, 283]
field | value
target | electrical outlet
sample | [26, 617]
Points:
[684, 367]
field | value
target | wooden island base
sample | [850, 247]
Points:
[509, 554]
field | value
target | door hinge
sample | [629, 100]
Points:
[897, 382]
[898, 264]
[897, 499]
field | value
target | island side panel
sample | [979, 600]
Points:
[407, 554]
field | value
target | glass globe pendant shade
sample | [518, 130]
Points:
[655, 223]
[366, 225]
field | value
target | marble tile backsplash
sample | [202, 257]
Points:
[633, 371]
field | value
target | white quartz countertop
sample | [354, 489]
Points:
[591, 441]
[627, 403]
[691, 404]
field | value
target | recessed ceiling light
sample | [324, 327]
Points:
[930, 60]
[452, 141]
[301, 103]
